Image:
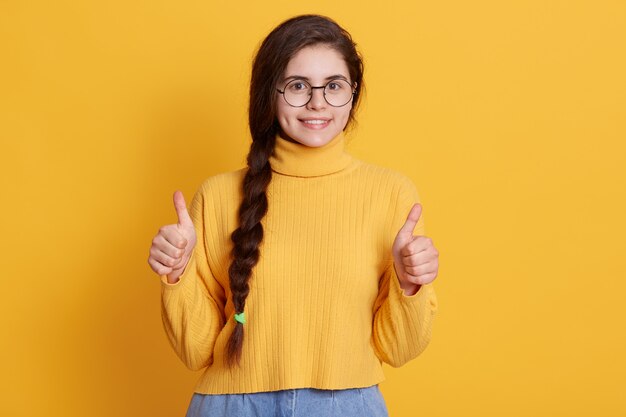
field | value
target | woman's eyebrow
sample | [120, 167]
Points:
[301, 77]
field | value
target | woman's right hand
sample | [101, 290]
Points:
[173, 245]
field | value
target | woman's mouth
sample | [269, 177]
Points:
[315, 124]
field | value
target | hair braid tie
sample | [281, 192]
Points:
[240, 317]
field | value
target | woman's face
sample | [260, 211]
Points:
[317, 65]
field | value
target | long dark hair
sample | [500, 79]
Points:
[267, 69]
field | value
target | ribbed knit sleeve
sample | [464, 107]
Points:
[402, 325]
[192, 309]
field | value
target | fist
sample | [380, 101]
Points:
[172, 246]
[415, 258]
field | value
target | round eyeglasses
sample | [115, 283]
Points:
[298, 93]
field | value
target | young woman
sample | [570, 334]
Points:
[291, 280]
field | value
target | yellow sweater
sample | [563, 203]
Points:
[325, 307]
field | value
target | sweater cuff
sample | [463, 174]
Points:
[426, 291]
[191, 265]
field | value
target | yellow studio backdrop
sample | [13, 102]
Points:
[509, 117]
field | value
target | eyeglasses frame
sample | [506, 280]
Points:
[313, 88]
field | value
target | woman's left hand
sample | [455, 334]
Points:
[415, 258]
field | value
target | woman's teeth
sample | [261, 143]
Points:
[315, 122]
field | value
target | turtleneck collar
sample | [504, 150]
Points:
[298, 160]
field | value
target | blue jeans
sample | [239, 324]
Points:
[302, 402]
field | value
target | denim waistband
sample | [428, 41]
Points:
[300, 402]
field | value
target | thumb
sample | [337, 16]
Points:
[181, 210]
[411, 221]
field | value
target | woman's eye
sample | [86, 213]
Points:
[298, 86]
[334, 86]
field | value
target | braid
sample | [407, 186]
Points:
[249, 235]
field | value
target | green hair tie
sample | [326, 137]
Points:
[240, 318]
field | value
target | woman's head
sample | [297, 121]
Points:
[313, 44]
[317, 50]
[317, 94]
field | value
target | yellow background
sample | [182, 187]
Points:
[509, 116]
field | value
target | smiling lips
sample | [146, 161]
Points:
[315, 123]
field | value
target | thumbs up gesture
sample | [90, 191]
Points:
[415, 258]
[172, 246]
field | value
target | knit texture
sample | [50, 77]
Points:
[325, 307]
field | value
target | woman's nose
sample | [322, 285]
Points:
[317, 99]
